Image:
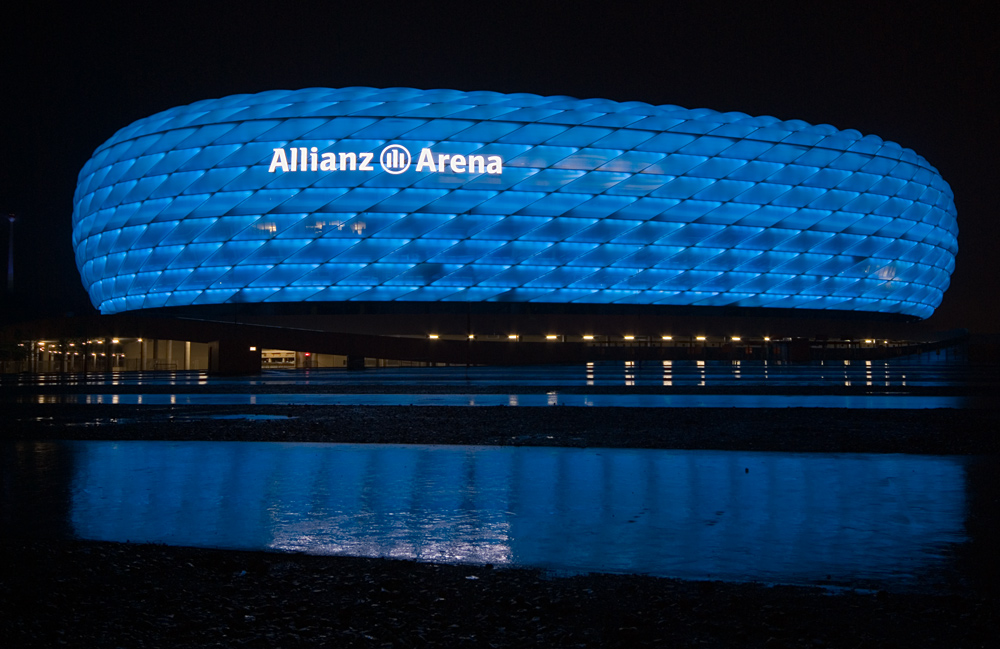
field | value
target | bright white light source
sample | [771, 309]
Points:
[432, 336]
[550, 337]
[699, 337]
[668, 337]
[736, 339]
[588, 337]
[629, 337]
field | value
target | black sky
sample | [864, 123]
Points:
[925, 78]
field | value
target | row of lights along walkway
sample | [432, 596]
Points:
[609, 339]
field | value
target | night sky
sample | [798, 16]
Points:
[925, 78]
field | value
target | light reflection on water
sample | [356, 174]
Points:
[927, 370]
[866, 401]
[776, 517]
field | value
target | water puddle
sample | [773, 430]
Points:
[867, 401]
[925, 371]
[166, 416]
[859, 520]
[238, 417]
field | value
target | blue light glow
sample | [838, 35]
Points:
[586, 201]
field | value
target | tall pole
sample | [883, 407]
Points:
[10, 256]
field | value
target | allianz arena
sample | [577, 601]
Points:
[401, 195]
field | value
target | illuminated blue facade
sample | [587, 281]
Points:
[378, 195]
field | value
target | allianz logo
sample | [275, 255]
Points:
[394, 159]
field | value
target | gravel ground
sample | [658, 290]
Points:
[833, 430]
[86, 594]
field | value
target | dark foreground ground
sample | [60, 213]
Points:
[80, 594]
[83, 594]
[830, 430]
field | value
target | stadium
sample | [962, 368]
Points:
[432, 215]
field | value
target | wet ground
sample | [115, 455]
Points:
[94, 593]
[861, 401]
[903, 375]
[852, 520]
[87, 594]
[939, 431]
